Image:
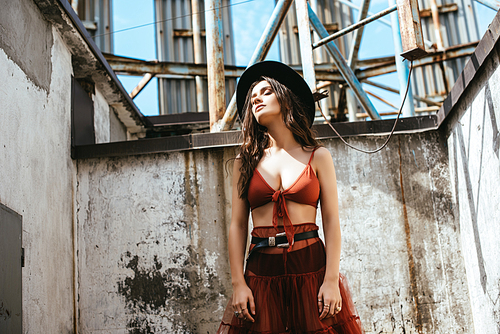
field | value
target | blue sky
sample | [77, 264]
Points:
[249, 21]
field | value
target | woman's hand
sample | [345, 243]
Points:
[243, 302]
[329, 299]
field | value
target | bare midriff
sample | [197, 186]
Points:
[299, 214]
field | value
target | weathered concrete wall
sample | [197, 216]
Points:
[38, 176]
[37, 182]
[152, 239]
[400, 240]
[152, 242]
[26, 38]
[473, 144]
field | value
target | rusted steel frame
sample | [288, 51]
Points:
[259, 54]
[324, 84]
[445, 8]
[306, 53]
[164, 67]
[381, 20]
[132, 66]
[437, 25]
[410, 30]
[140, 86]
[396, 91]
[395, 112]
[187, 32]
[198, 53]
[329, 73]
[358, 34]
[381, 99]
[366, 68]
[353, 27]
[401, 66]
[493, 4]
[353, 6]
[352, 106]
[344, 69]
[215, 61]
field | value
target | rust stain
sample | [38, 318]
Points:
[411, 262]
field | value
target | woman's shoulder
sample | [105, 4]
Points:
[319, 151]
[321, 156]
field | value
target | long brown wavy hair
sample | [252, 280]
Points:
[256, 138]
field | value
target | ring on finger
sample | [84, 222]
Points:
[338, 308]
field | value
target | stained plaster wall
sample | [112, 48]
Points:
[38, 175]
[37, 182]
[473, 145]
[152, 239]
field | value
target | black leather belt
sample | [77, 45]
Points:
[280, 240]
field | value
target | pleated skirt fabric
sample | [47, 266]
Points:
[285, 286]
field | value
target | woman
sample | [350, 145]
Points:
[291, 283]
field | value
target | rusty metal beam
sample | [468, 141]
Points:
[395, 112]
[410, 29]
[188, 32]
[352, 106]
[215, 61]
[353, 27]
[365, 68]
[437, 25]
[306, 53]
[259, 54]
[198, 53]
[345, 70]
[446, 8]
[396, 91]
[140, 86]
[140, 67]
[380, 98]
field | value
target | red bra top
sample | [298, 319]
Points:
[304, 190]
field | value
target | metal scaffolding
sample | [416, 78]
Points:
[319, 38]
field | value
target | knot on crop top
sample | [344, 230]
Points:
[304, 190]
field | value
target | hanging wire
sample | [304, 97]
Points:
[170, 19]
[393, 128]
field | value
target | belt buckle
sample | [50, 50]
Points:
[286, 244]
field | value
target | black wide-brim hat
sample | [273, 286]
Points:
[284, 75]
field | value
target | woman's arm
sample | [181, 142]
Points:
[238, 232]
[329, 292]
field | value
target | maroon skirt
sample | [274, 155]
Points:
[285, 286]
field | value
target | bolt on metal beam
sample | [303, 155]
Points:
[344, 69]
[259, 54]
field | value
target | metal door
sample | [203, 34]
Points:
[11, 261]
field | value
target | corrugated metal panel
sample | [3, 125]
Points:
[334, 17]
[174, 42]
[432, 81]
[457, 27]
[96, 15]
